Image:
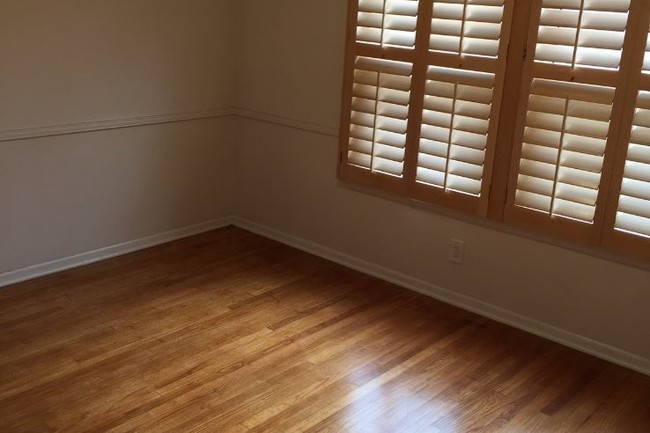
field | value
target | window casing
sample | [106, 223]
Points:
[535, 113]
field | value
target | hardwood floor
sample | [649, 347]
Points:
[231, 332]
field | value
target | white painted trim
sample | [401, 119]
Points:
[287, 121]
[103, 125]
[89, 257]
[494, 312]
[157, 119]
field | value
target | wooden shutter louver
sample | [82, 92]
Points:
[566, 127]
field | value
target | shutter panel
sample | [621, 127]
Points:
[633, 215]
[459, 112]
[586, 33]
[632, 218]
[423, 83]
[387, 23]
[627, 217]
[455, 125]
[564, 143]
[380, 85]
[565, 129]
[378, 121]
[471, 27]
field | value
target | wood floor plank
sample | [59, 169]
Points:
[231, 332]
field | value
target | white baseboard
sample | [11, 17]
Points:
[86, 258]
[544, 330]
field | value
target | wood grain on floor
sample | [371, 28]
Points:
[231, 332]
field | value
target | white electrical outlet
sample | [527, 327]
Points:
[457, 251]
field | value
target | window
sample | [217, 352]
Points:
[535, 113]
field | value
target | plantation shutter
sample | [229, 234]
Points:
[380, 104]
[455, 126]
[628, 216]
[633, 213]
[567, 121]
[423, 82]
[424, 87]
[381, 85]
[461, 102]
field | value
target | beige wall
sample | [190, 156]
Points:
[74, 61]
[69, 61]
[287, 182]
[71, 194]
[288, 66]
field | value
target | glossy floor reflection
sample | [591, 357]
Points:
[231, 332]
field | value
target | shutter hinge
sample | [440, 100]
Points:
[340, 157]
[525, 52]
